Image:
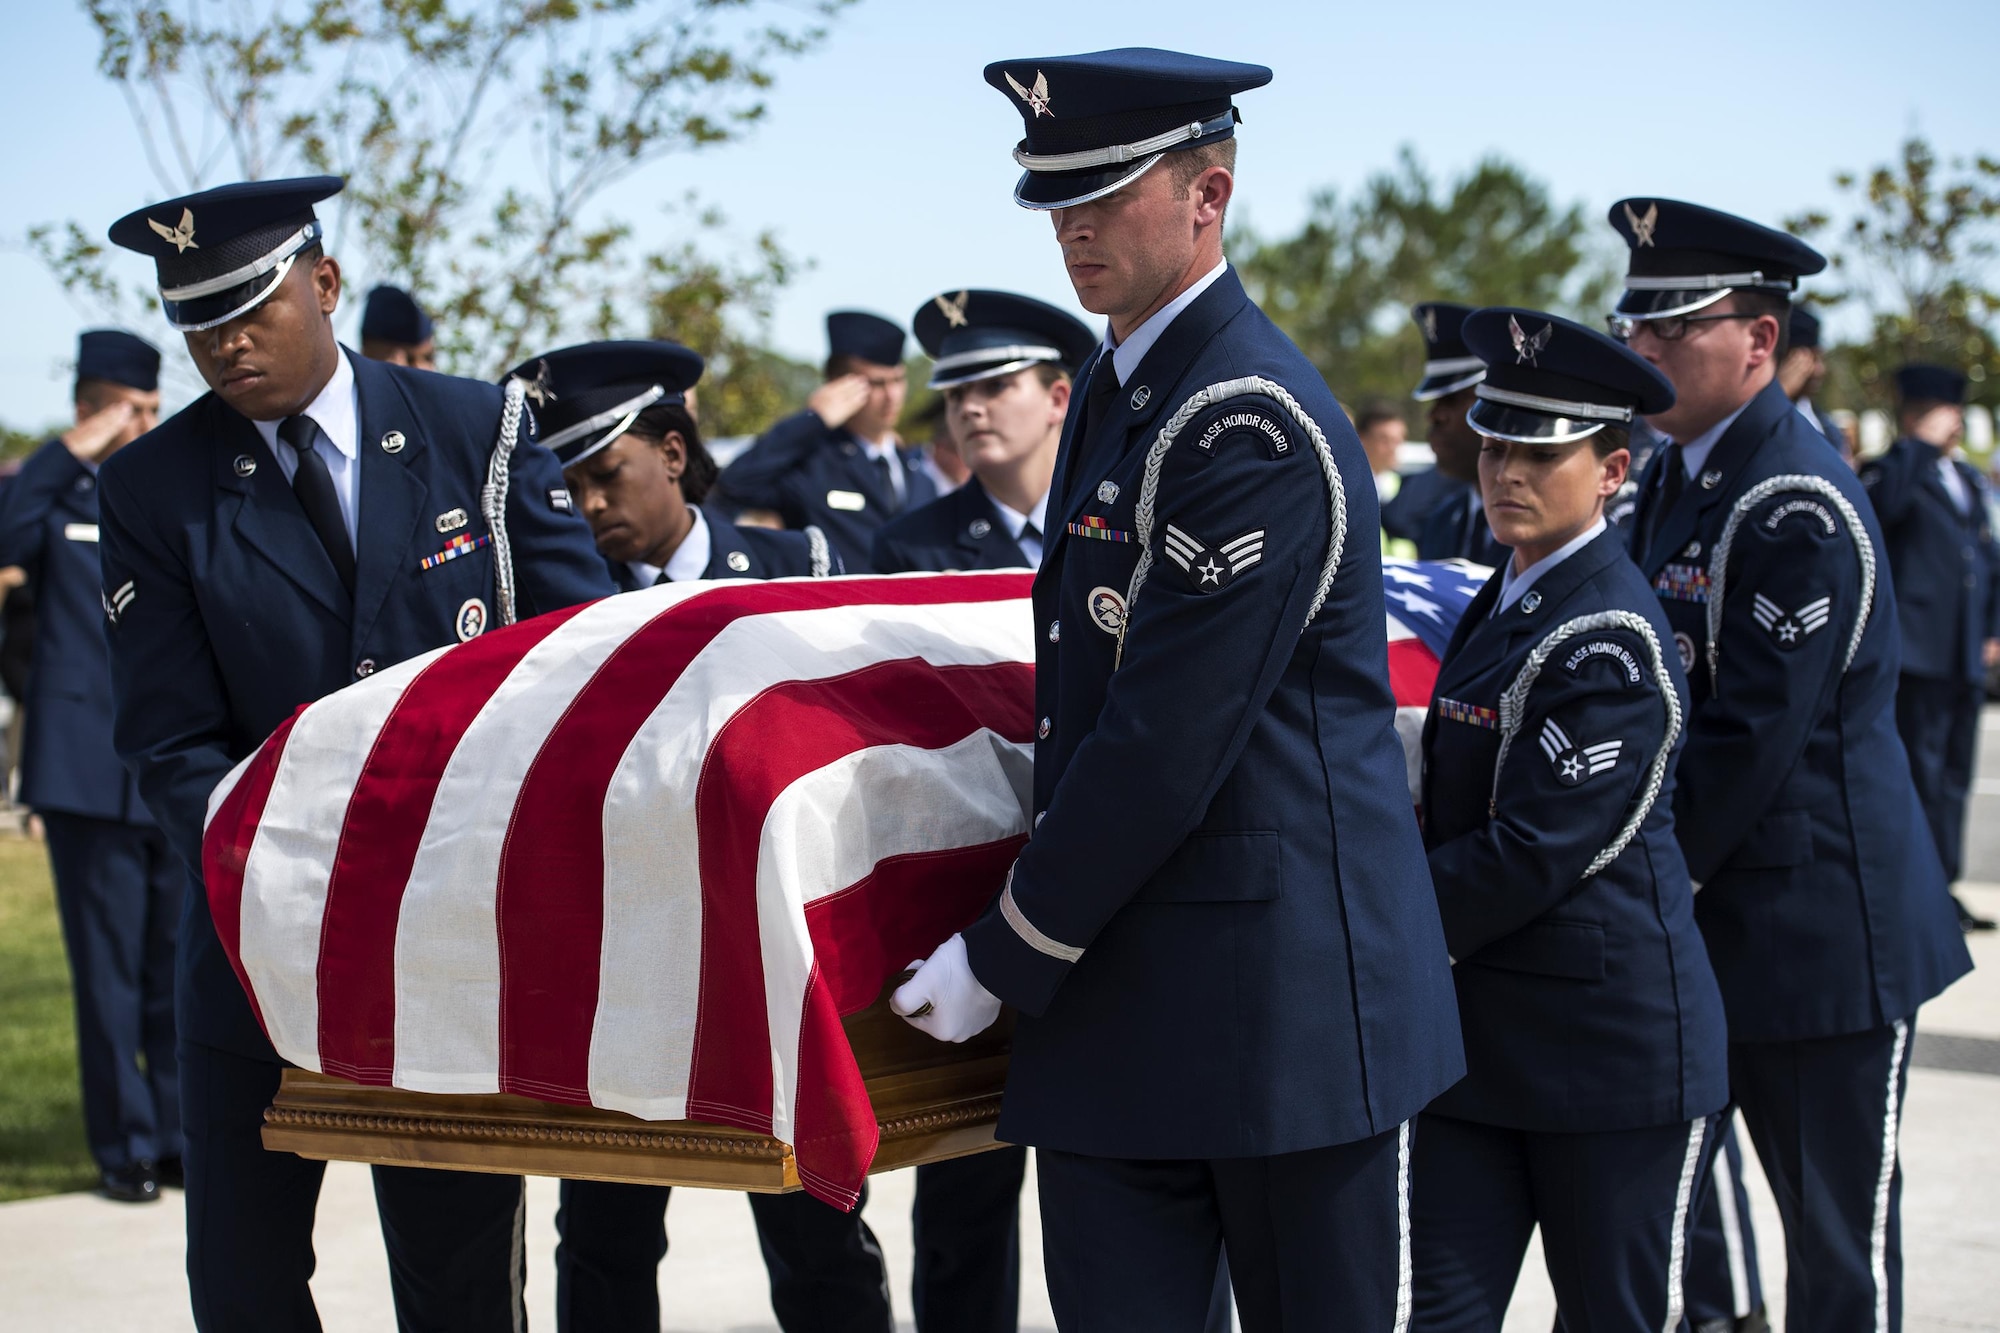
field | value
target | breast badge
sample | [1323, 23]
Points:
[1107, 609]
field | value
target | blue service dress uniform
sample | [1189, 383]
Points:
[1946, 567]
[1232, 986]
[1456, 529]
[228, 614]
[1821, 899]
[960, 530]
[812, 474]
[1595, 1049]
[118, 886]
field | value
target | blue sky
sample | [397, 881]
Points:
[885, 157]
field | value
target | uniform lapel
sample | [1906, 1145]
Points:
[723, 543]
[267, 515]
[392, 495]
[1725, 462]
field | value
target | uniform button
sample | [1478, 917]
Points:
[365, 667]
[1055, 631]
[1043, 730]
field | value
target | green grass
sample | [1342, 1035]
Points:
[41, 1120]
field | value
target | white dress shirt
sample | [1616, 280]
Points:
[1954, 484]
[337, 413]
[688, 562]
[1695, 452]
[1513, 587]
[1016, 523]
[1126, 356]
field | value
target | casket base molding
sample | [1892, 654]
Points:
[932, 1101]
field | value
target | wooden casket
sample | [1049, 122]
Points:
[933, 1101]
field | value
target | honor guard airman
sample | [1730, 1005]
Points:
[1821, 899]
[394, 328]
[315, 517]
[1936, 516]
[1596, 1055]
[617, 415]
[1005, 365]
[837, 465]
[1232, 988]
[1803, 370]
[1451, 525]
[118, 885]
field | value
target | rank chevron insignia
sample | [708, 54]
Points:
[952, 309]
[1642, 227]
[1036, 97]
[1526, 348]
[1789, 627]
[1212, 570]
[1573, 765]
[182, 236]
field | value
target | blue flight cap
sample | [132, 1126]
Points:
[975, 335]
[1803, 330]
[392, 315]
[865, 337]
[1448, 364]
[222, 251]
[1930, 384]
[1097, 122]
[586, 396]
[117, 356]
[1685, 257]
[1550, 380]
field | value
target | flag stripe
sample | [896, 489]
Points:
[225, 854]
[392, 803]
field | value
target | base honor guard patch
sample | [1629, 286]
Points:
[1212, 570]
[1682, 583]
[1107, 611]
[1451, 710]
[463, 544]
[1574, 765]
[1790, 628]
[1096, 529]
[1249, 420]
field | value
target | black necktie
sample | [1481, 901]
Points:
[313, 484]
[1104, 387]
[885, 477]
[1671, 485]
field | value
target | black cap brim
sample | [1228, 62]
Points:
[1046, 190]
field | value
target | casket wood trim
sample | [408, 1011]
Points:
[933, 1102]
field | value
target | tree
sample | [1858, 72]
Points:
[1342, 286]
[477, 138]
[1917, 251]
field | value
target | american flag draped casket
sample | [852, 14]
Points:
[616, 891]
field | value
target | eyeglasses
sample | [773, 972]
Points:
[1667, 328]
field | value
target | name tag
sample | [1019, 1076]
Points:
[80, 532]
[852, 501]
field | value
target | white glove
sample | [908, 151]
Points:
[944, 999]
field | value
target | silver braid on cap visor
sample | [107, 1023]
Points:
[986, 362]
[619, 418]
[1566, 422]
[277, 263]
[1118, 154]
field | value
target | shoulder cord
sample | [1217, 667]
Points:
[1718, 566]
[1149, 489]
[493, 500]
[817, 552]
[1514, 707]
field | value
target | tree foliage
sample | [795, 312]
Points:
[1915, 249]
[1343, 285]
[478, 139]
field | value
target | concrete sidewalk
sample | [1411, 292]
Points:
[77, 1262]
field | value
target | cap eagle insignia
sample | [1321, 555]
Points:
[1430, 324]
[539, 389]
[1642, 227]
[1036, 97]
[1526, 349]
[952, 309]
[182, 236]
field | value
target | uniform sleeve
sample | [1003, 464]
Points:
[170, 712]
[887, 556]
[1205, 645]
[556, 563]
[1594, 722]
[1889, 481]
[1792, 592]
[756, 479]
[49, 472]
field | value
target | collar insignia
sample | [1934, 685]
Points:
[1642, 227]
[182, 236]
[1036, 97]
[952, 309]
[1526, 349]
[1430, 325]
